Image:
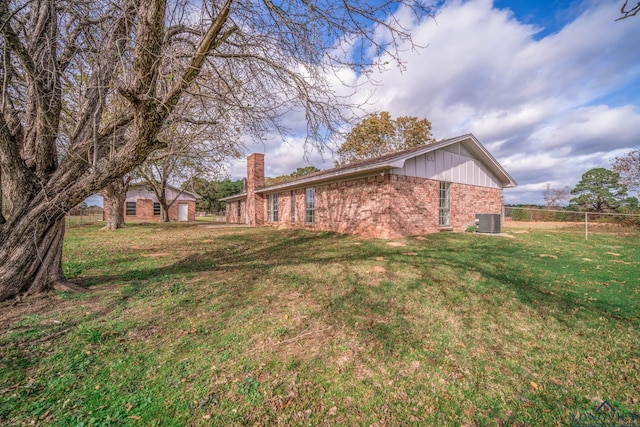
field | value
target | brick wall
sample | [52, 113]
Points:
[387, 206]
[469, 200]
[144, 211]
[191, 210]
[255, 180]
[231, 212]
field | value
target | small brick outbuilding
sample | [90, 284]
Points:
[142, 204]
[437, 187]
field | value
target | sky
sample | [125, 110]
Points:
[551, 88]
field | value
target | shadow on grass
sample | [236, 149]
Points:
[505, 265]
[510, 266]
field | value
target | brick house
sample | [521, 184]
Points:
[438, 187]
[142, 204]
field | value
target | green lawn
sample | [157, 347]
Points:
[192, 324]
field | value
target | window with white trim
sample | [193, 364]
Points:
[156, 209]
[272, 207]
[310, 205]
[293, 206]
[444, 205]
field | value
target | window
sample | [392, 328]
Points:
[444, 204]
[130, 209]
[272, 207]
[310, 204]
[293, 206]
[239, 209]
[156, 209]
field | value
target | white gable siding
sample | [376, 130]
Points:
[142, 192]
[136, 193]
[453, 164]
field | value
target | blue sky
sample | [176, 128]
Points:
[551, 88]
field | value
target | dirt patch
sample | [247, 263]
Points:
[224, 225]
[12, 310]
[396, 244]
[156, 255]
[548, 256]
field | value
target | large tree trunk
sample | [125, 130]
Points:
[115, 196]
[46, 173]
[31, 256]
[164, 208]
[2, 218]
[164, 214]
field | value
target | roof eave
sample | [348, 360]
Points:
[338, 175]
[234, 197]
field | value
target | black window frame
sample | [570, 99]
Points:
[130, 207]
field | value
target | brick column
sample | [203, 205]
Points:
[255, 180]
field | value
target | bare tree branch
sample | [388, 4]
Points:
[627, 11]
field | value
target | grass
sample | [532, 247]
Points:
[203, 325]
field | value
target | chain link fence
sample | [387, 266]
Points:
[575, 221]
[74, 218]
[77, 217]
[212, 216]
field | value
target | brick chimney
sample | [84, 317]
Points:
[255, 180]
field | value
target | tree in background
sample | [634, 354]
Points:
[67, 64]
[298, 173]
[379, 134]
[189, 151]
[628, 166]
[212, 192]
[599, 190]
[554, 197]
[115, 196]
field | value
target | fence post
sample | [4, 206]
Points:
[586, 226]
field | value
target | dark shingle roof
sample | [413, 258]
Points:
[392, 161]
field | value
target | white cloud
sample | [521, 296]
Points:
[540, 104]
[537, 104]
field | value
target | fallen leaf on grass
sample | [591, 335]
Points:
[548, 256]
[534, 385]
[612, 253]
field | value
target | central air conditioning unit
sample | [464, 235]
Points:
[488, 223]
